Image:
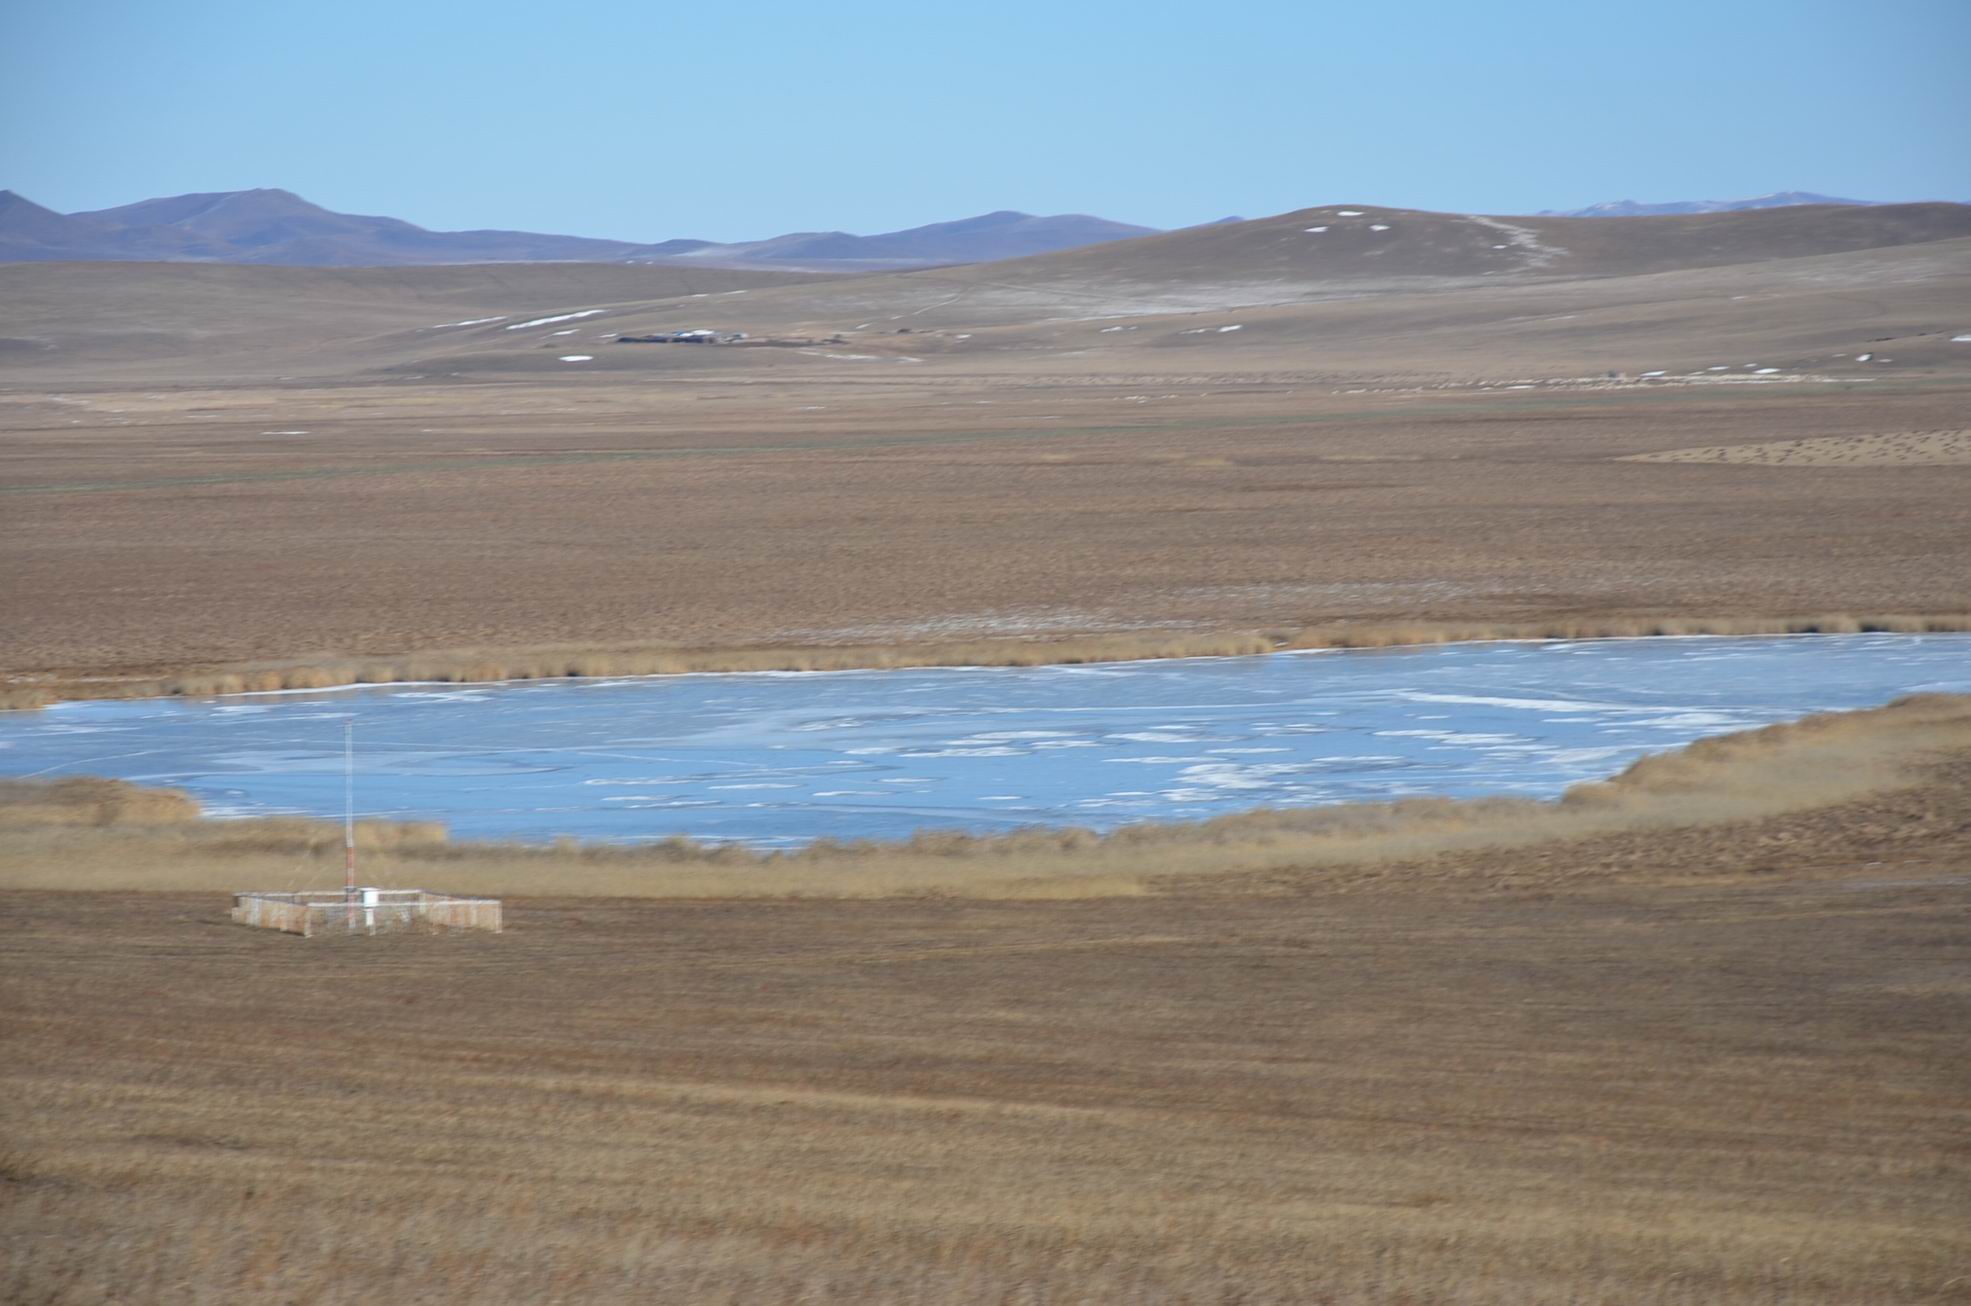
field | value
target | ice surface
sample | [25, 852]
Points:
[779, 759]
[578, 358]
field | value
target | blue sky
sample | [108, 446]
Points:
[644, 121]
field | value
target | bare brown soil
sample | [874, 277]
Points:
[1733, 1073]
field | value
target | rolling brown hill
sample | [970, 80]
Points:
[1338, 252]
[1379, 293]
[1352, 246]
[1372, 291]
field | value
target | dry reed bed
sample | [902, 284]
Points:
[95, 834]
[480, 666]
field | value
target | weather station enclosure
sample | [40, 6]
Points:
[364, 910]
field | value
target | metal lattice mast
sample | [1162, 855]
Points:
[349, 817]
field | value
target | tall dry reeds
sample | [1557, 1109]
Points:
[476, 666]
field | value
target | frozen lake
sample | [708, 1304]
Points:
[778, 759]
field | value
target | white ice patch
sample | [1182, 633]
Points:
[1348, 213]
[1697, 720]
[471, 321]
[1378, 226]
[1315, 231]
[1529, 704]
[569, 332]
[1961, 340]
[999, 736]
[1646, 375]
[578, 358]
[1765, 371]
[1583, 756]
[636, 781]
[1863, 358]
[995, 750]
[1236, 326]
[283, 433]
[550, 321]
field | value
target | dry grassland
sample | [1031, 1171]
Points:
[212, 477]
[653, 526]
[1740, 1077]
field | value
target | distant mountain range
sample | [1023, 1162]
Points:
[275, 226]
[279, 227]
[1785, 199]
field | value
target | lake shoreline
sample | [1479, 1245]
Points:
[89, 833]
[464, 667]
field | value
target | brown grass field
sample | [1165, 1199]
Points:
[1694, 1035]
[276, 475]
[1718, 1064]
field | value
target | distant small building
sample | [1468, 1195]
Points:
[694, 336]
